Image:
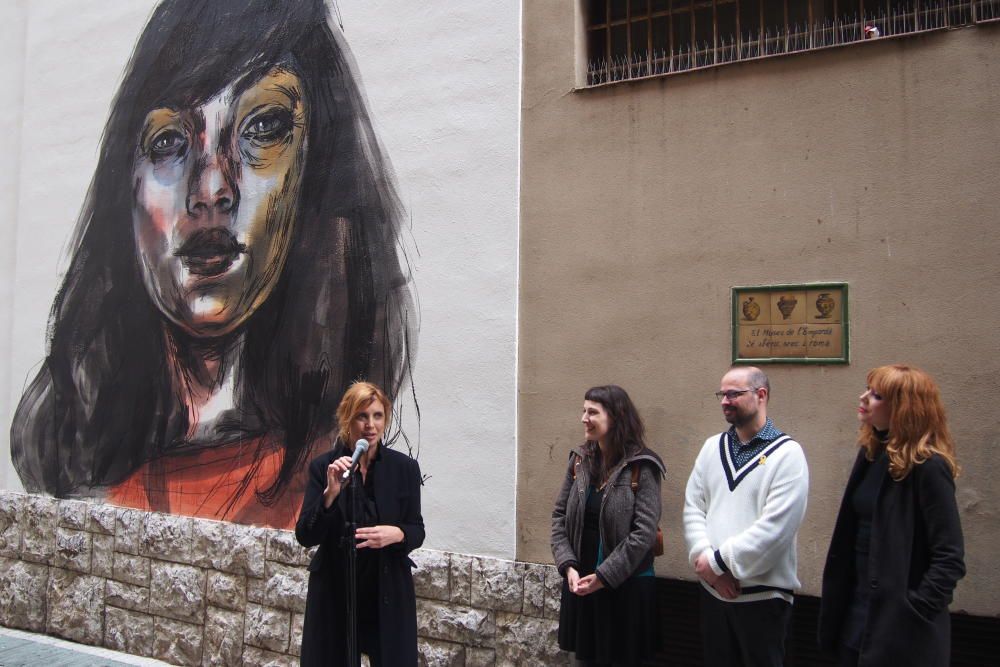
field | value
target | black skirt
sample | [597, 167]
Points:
[617, 627]
[612, 626]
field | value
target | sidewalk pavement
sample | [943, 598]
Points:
[24, 649]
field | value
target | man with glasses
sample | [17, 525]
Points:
[743, 506]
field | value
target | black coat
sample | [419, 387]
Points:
[915, 560]
[397, 484]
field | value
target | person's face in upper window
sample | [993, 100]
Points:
[215, 189]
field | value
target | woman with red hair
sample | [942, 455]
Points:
[896, 552]
[386, 510]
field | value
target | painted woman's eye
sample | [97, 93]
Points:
[166, 143]
[269, 128]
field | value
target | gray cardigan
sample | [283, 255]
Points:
[627, 521]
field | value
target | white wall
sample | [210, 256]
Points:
[12, 35]
[442, 80]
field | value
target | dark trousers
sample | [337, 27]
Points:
[744, 634]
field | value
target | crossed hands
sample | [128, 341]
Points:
[725, 584]
[582, 585]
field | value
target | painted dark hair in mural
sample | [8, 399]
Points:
[103, 404]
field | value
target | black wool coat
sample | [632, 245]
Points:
[397, 497]
[915, 560]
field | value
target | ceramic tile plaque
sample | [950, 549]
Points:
[790, 324]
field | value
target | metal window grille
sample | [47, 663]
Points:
[634, 39]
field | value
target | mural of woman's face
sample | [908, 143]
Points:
[215, 189]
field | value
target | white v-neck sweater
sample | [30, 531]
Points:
[748, 518]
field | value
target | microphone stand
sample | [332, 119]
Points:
[350, 544]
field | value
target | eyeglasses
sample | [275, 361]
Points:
[733, 394]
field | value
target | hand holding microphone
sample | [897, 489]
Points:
[339, 471]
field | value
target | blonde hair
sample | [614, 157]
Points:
[918, 427]
[357, 397]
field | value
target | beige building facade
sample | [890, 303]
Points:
[644, 203]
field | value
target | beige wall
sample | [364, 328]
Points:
[643, 203]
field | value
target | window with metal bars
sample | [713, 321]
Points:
[631, 39]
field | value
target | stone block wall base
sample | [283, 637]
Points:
[197, 592]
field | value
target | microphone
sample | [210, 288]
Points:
[360, 447]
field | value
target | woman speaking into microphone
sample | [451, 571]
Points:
[389, 526]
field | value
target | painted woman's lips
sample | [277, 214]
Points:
[210, 252]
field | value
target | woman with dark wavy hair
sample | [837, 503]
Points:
[897, 549]
[234, 268]
[604, 528]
